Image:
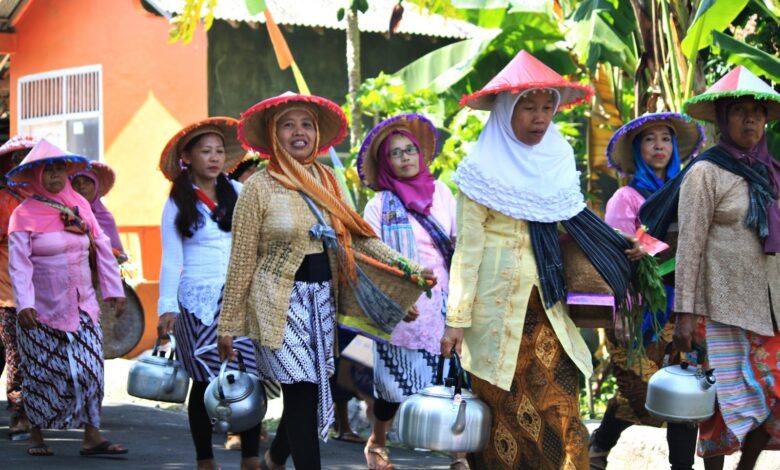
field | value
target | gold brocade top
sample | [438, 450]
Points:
[493, 274]
[270, 239]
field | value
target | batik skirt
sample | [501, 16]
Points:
[306, 354]
[197, 347]
[401, 372]
[747, 369]
[63, 384]
[536, 424]
[13, 364]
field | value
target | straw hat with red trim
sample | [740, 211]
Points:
[620, 153]
[42, 153]
[253, 130]
[420, 126]
[105, 177]
[737, 83]
[224, 126]
[524, 72]
[15, 143]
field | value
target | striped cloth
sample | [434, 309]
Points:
[603, 247]
[197, 347]
[63, 385]
[747, 369]
[306, 354]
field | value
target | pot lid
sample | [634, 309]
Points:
[158, 360]
[236, 386]
[445, 392]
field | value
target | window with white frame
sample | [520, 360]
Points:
[65, 107]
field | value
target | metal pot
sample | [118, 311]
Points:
[682, 393]
[159, 378]
[235, 400]
[444, 416]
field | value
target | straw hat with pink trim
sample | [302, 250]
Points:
[223, 126]
[522, 73]
[253, 130]
[105, 176]
[42, 153]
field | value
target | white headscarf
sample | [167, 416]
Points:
[537, 183]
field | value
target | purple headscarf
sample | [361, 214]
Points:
[102, 214]
[758, 154]
[416, 192]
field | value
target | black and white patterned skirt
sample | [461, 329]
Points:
[401, 372]
[306, 354]
[63, 385]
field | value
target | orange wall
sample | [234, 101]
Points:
[151, 89]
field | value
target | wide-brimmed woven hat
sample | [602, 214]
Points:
[620, 154]
[45, 152]
[737, 83]
[253, 130]
[521, 73]
[105, 177]
[225, 126]
[420, 126]
[17, 142]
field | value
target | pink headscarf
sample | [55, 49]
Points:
[416, 192]
[102, 214]
[35, 216]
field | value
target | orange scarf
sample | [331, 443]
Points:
[297, 176]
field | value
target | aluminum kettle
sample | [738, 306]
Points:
[159, 378]
[682, 393]
[445, 416]
[235, 400]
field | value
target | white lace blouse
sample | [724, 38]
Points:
[193, 269]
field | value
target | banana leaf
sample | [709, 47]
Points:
[712, 15]
[738, 52]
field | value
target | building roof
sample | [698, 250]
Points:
[322, 14]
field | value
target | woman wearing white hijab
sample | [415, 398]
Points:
[506, 306]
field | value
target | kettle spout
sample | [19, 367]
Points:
[460, 420]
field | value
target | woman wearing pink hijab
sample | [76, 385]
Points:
[94, 183]
[52, 236]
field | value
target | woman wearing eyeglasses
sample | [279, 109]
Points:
[414, 214]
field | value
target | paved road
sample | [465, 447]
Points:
[160, 439]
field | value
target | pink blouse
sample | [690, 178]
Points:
[623, 209]
[50, 273]
[426, 331]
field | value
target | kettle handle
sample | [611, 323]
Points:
[701, 353]
[156, 351]
[455, 369]
[223, 370]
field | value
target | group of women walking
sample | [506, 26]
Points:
[262, 267]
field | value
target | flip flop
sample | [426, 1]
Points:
[350, 437]
[47, 451]
[104, 448]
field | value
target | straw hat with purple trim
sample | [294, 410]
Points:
[620, 153]
[42, 153]
[737, 83]
[224, 126]
[105, 177]
[420, 126]
[524, 72]
[253, 130]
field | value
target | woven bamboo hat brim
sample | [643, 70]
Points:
[620, 153]
[17, 142]
[105, 177]
[42, 153]
[253, 129]
[420, 126]
[738, 83]
[225, 126]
